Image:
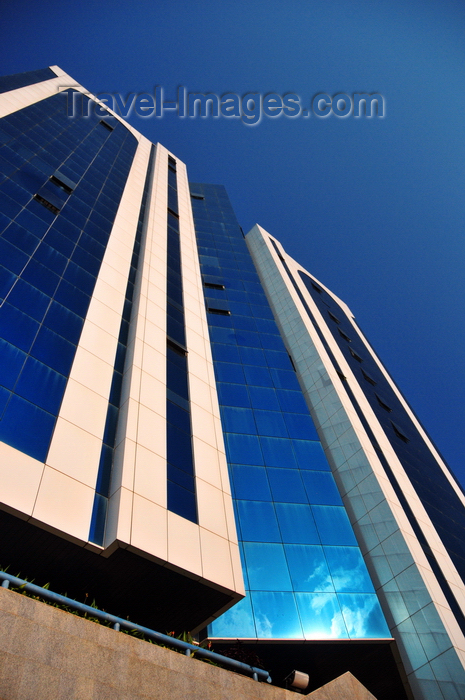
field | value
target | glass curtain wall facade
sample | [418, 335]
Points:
[61, 183]
[304, 574]
[405, 506]
[107, 393]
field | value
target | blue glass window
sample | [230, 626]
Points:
[252, 356]
[233, 395]
[277, 452]
[333, 525]
[362, 615]
[7, 279]
[296, 523]
[310, 455]
[53, 350]
[292, 401]
[321, 488]
[258, 521]
[263, 397]
[243, 449]
[285, 380]
[16, 327]
[35, 440]
[181, 501]
[225, 353]
[284, 623]
[300, 426]
[41, 385]
[280, 360]
[321, 616]
[13, 360]
[270, 423]
[268, 570]
[250, 483]
[286, 485]
[258, 376]
[348, 570]
[28, 299]
[236, 622]
[309, 569]
[228, 372]
[238, 420]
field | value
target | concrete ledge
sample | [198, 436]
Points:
[48, 653]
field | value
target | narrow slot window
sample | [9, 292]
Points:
[106, 125]
[343, 335]
[213, 285]
[48, 205]
[369, 379]
[398, 431]
[220, 312]
[382, 404]
[175, 347]
[63, 182]
[355, 356]
[333, 317]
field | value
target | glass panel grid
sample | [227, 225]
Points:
[295, 563]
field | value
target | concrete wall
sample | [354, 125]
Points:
[48, 653]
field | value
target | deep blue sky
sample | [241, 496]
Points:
[373, 207]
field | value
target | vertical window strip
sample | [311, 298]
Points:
[180, 459]
[102, 489]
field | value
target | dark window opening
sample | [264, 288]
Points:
[355, 356]
[106, 125]
[48, 205]
[368, 378]
[333, 317]
[197, 196]
[63, 185]
[382, 404]
[173, 213]
[399, 433]
[343, 335]
[221, 312]
[317, 289]
[341, 376]
[176, 347]
[292, 362]
[212, 285]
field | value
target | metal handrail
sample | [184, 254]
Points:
[118, 623]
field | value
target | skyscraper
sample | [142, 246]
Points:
[177, 398]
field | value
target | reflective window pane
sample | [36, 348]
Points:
[243, 449]
[308, 567]
[321, 488]
[310, 455]
[321, 616]
[267, 567]
[250, 483]
[258, 522]
[362, 615]
[238, 420]
[238, 621]
[296, 523]
[333, 525]
[348, 570]
[286, 485]
[284, 623]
